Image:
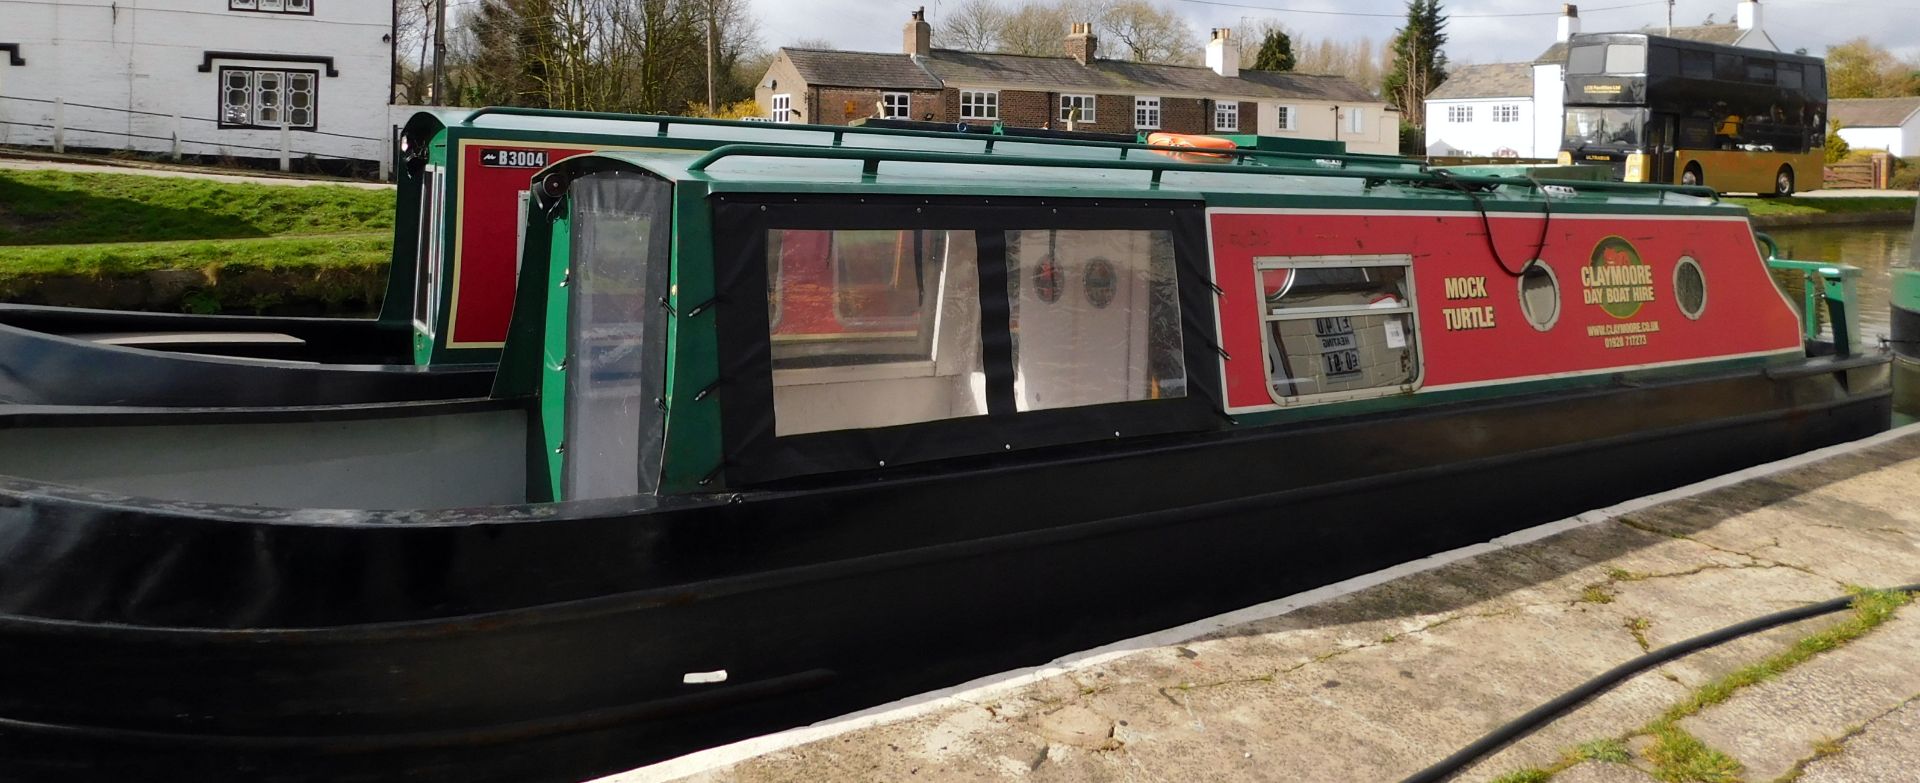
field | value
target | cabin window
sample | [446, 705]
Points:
[1095, 318]
[1789, 75]
[1696, 64]
[1338, 327]
[873, 328]
[615, 361]
[1626, 58]
[1591, 58]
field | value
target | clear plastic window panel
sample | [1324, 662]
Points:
[1338, 329]
[1095, 317]
[616, 355]
[873, 328]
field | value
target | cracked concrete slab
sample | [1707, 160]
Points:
[1886, 748]
[1377, 683]
[1774, 724]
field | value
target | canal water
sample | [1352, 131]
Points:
[1875, 248]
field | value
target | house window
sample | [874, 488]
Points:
[979, 105]
[782, 108]
[896, 105]
[1146, 113]
[1459, 114]
[1286, 119]
[1082, 103]
[272, 6]
[1338, 325]
[255, 98]
[1357, 120]
[1506, 112]
[1226, 115]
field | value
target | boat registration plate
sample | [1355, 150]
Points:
[513, 158]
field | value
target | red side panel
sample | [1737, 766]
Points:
[1632, 321]
[488, 225]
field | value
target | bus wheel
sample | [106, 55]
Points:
[1783, 182]
[1692, 175]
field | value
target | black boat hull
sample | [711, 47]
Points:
[513, 646]
[50, 360]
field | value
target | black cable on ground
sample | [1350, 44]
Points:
[1541, 715]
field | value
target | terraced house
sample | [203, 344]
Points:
[1080, 88]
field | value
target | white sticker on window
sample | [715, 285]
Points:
[1396, 338]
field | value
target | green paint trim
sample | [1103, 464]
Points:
[553, 360]
[693, 448]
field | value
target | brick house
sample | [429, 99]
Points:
[834, 87]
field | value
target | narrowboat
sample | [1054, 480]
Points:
[1904, 329]
[782, 431]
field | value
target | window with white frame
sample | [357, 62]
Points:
[1357, 120]
[263, 98]
[896, 105]
[1286, 119]
[979, 104]
[1146, 113]
[272, 6]
[1226, 115]
[1459, 114]
[1083, 103]
[1338, 325]
[1506, 112]
[782, 109]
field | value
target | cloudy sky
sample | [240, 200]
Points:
[874, 25]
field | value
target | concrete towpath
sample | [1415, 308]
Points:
[22, 161]
[1374, 679]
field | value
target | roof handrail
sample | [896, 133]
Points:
[839, 132]
[871, 158]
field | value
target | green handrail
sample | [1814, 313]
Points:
[839, 133]
[1833, 283]
[871, 158]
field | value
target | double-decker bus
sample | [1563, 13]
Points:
[1661, 109]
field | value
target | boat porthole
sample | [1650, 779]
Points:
[1540, 295]
[1690, 287]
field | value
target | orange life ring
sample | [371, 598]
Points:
[1192, 141]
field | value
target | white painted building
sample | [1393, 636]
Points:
[1517, 109]
[1890, 124]
[224, 78]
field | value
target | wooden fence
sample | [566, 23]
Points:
[1874, 172]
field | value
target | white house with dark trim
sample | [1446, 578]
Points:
[1891, 124]
[1517, 109]
[218, 78]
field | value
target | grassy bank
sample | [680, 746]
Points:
[131, 241]
[59, 207]
[1769, 207]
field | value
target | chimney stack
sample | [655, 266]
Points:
[1747, 14]
[1082, 44]
[1222, 55]
[918, 35]
[1569, 21]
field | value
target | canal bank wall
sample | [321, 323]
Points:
[1378, 677]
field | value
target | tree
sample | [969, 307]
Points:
[1861, 69]
[1837, 148]
[1148, 33]
[972, 27]
[1276, 52]
[1418, 65]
